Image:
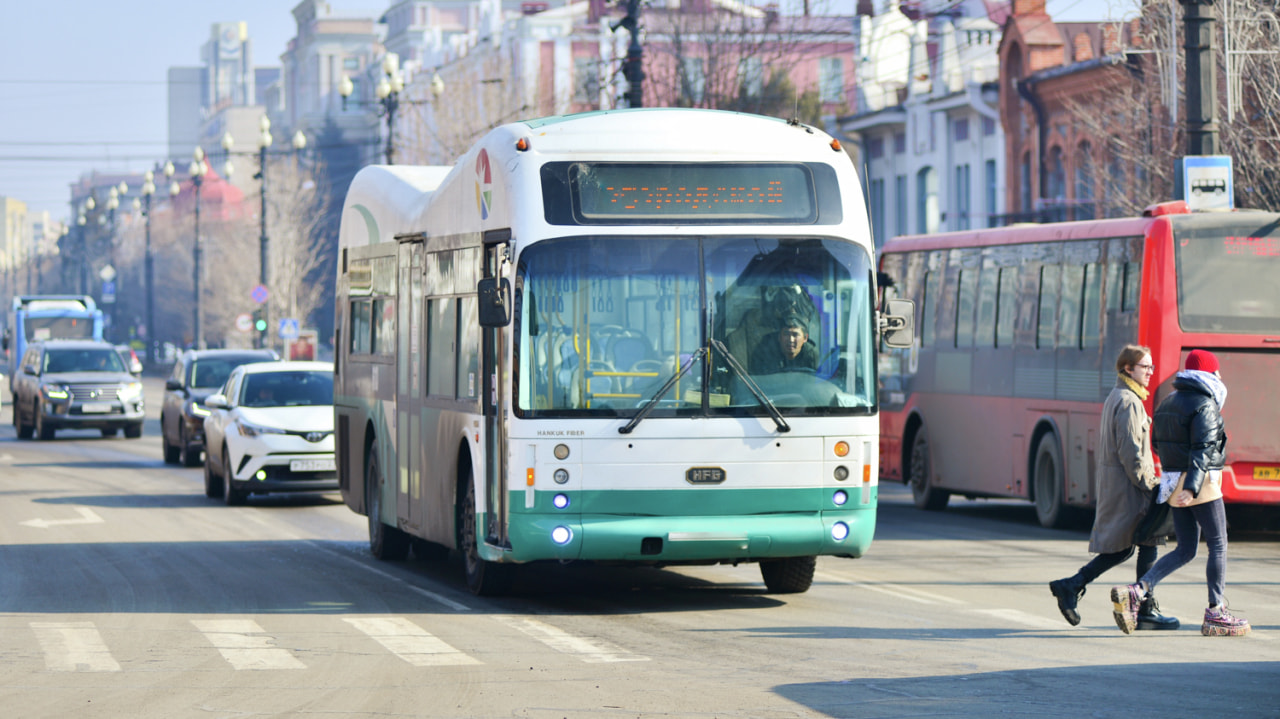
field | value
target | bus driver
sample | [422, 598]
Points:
[788, 348]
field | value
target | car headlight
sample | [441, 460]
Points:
[55, 391]
[195, 410]
[129, 391]
[248, 429]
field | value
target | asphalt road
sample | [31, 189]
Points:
[125, 592]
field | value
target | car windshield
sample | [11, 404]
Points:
[607, 323]
[290, 388]
[83, 360]
[212, 372]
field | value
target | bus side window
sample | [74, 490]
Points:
[1091, 325]
[1132, 280]
[966, 289]
[1069, 306]
[1006, 306]
[1048, 306]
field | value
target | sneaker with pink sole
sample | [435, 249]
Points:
[1218, 622]
[1125, 602]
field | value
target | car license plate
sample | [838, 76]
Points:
[96, 407]
[312, 465]
[1266, 472]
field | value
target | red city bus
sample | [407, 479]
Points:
[1019, 330]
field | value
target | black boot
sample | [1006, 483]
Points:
[1068, 591]
[1149, 616]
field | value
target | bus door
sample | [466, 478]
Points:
[493, 350]
[409, 391]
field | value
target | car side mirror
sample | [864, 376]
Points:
[216, 401]
[897, 324]
[174, 384]
[494, 301]
[28, 369]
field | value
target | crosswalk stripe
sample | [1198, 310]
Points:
[244, 645]
[410, 642]
[73, 647]
[586, 649]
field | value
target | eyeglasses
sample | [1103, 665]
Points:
[1145, 366]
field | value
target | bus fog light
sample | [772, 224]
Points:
[839, 498]
[562, 535]
[561, 452]
[561, 475]
[560, 501]
[839, 531]
[841, 473]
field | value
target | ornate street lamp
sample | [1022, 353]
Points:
[149, 189]
[387, 93]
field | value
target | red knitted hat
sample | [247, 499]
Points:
[1202, 360]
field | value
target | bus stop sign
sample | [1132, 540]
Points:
[1205, 182]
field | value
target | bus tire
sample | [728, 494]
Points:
[920, 476]
[791, 575]
[1051, 508]
[385, 542]
[486, 579]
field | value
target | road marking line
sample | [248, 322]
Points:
[410, 642]
[87, 516]
[237, 641]
[1020, 617]
[456, 606]
[593, 651]
[74, 647]
[894, 590]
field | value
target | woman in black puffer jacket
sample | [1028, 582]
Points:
[1188, 436]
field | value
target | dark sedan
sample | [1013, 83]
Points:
[196, 375]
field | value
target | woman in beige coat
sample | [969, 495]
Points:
[1126, 476]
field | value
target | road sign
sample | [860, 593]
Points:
[1205, 182]
[259, 294]
[107, 273]
[288, 328]
[108, 291]
[244, 321]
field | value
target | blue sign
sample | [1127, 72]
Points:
[108, 292]
[259, 294]
[288, 328]
[1205, 182]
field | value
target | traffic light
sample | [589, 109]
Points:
[260, 325]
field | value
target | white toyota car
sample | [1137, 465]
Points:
[270, 429]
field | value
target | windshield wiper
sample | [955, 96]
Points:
[751, 385]
[653, 400]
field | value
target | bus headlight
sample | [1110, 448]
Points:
[561, 535]
[839, 531]
[561, 475]
[839, 498]
[560, 501]
[841, 473]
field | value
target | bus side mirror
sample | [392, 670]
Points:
[494, 301]
[897, 324]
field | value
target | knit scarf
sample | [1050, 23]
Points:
[1137, 388]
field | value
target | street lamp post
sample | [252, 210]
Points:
[387, 92]
[264, 275]
[197, 170]
[149, 189]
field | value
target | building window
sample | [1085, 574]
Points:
[961, 129]
[877, 211]
[992, 182]
[1084, 182]
[1024, 182]
[751, 76]
[586, 85]
[900, 205]
[927, 201]
[693, 80]
[875, 148]
[831, 79]
[962, 197]
[988, 126]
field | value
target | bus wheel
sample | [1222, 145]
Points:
[788, 576]
[385, 541]
[483, 578]
[923, 493]
[1051, 510]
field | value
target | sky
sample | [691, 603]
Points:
[83, 82]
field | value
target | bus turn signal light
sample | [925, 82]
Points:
[842, 448]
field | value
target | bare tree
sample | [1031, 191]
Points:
[296, 211]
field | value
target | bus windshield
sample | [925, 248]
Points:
[1226, 279]
[606, 323]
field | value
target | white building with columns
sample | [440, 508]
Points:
[928, 127]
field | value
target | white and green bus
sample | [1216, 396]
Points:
[580, 343]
